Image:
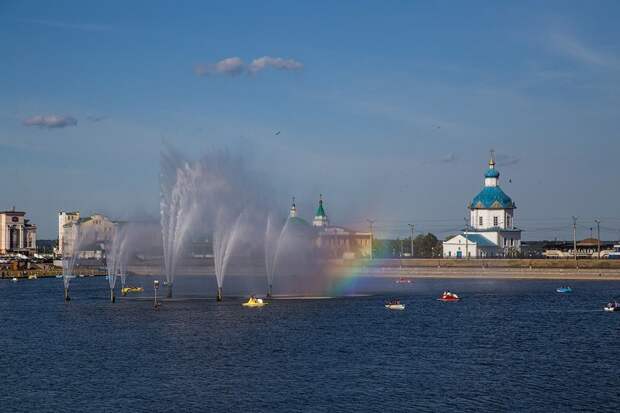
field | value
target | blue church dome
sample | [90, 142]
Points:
[492, 197]
[491, 173]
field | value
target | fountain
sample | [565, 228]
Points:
[178, 184]
[215, 197]
[225, 237]
[68, 263]
[274, 240]
[116, 257]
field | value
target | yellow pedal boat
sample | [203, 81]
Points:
[126, 290]
[254, 302]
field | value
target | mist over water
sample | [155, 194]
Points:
[222, 200]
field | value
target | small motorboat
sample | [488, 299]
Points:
[254, 302]
[126, 290]
[14, 279]
[611, 307]
[60, 276]
[32, 277]
[403, 280]
[564, 290]
[394, 305]
[448, 296]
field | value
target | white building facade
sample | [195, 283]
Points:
[491, 231]
[88, 234]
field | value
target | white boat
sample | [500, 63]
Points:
[612, 307]
[394, 305]
[32, 277]
[14, 279]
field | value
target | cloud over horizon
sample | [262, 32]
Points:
[233, 66]
[50, 121]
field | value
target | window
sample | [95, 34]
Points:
[480, 221]
[495, 221]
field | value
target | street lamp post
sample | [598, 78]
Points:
[598, 238]
[370, 223]
[411, 226]
[156, 287]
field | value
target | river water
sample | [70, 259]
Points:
[507, 346]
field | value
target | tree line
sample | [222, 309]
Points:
[424, 246]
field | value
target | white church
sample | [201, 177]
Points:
[491, 231]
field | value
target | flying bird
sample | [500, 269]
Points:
[278, 132]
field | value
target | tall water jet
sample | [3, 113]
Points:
[116, 255]
[68, 263]
[225, 237]
[178, 180]
[273, 245]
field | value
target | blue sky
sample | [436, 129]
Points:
[387, 108]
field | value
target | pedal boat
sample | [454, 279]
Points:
[447, 296]
[254, 302]
[127, 290]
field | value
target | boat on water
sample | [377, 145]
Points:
[394, 305]
[254, 302]
[447, 296]
[612, 306]
[403, 280]
[127, 290]
[60, 276]
[14, 279]
[564, 290]
[32, 277]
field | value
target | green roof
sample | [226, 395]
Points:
[320, 212]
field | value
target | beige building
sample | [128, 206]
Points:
[17, 234]
[91, 233]
[339, 242]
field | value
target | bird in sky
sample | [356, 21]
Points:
[278, 132]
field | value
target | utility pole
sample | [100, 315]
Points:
[575, 238]
[371, 222]
[411, 226]
[466, 239]
[598, 238]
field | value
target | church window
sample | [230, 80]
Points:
[495, 221]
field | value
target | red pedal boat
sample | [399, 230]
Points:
[448, 296]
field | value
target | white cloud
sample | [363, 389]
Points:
[233, 66]
[50, 121]
[575, 49]
[230, 66]
[275, 62]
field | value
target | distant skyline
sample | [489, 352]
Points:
[389, 109]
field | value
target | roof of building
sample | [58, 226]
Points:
[491, 173]
[320, 212]
[477, 239]
[492, 197]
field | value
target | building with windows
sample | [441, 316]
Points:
[339, 242]
[328, 240]
[88, 234]
[491, 231]
[17, 234]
